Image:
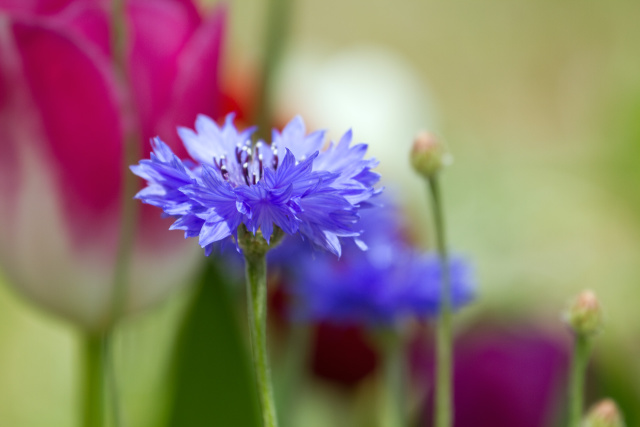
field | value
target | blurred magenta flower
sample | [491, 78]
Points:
[510, 376]
[62, 129]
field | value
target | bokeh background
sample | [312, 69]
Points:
[539, 102]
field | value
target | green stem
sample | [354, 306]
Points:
[130, 156]
[119, 36]
[256, 271]
[93, 399]
[444, 339]
[581, 351]
[128, 213]
[277, 26]
[395, 383]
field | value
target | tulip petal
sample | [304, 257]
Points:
[190, 8]
[76, 100]
[156, 31]
[159, 31]
[197, 89]
[39, 7]
[15, 108]
[89, 20]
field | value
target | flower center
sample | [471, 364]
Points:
[248, 163]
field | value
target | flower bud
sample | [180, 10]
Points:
[604, 414]
[428, 155]
[585, 314]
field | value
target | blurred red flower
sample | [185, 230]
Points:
[62, 129]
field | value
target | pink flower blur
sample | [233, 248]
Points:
[62, 129]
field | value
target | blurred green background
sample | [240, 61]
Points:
[539, 103]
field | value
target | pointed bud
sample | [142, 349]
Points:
[604, 414]
[428, 155]
[585, 314]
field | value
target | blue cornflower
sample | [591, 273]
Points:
[294, 184]
[381, 287]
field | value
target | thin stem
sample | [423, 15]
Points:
[119, 35]
[128, 213]
[256, 271]
[93, 399]
[129, 157]
[277, 26]
[581, 351]
[444, 339]
[395, 383]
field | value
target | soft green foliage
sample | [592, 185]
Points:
[213, 382]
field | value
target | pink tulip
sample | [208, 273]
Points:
[62, 129]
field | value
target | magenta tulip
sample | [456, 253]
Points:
[62, 131]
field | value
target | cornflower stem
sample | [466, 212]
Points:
[277, 27]
[443, 414]
[256, 275]
[392, 348]
[579, 362]
[93, 388]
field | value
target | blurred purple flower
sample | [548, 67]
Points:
[289, 184]
[381, 287]
[375, 292]
[503, 377]
[61, 138]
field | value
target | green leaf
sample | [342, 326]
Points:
[213, 383]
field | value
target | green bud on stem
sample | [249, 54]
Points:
[584, 315]
[428, 155]
[604, 414]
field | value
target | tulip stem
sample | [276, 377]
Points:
[443, 416]
[581, 351]
[256, 275]
[111, 381]
[277, 26]
[93, 396]
[99, 388]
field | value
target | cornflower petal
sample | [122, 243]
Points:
[293, 138]
[191, 224]
[268, 207]
[219, 200]
[209, 140]
[325, 216]
[165, 175]
[353, 172]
